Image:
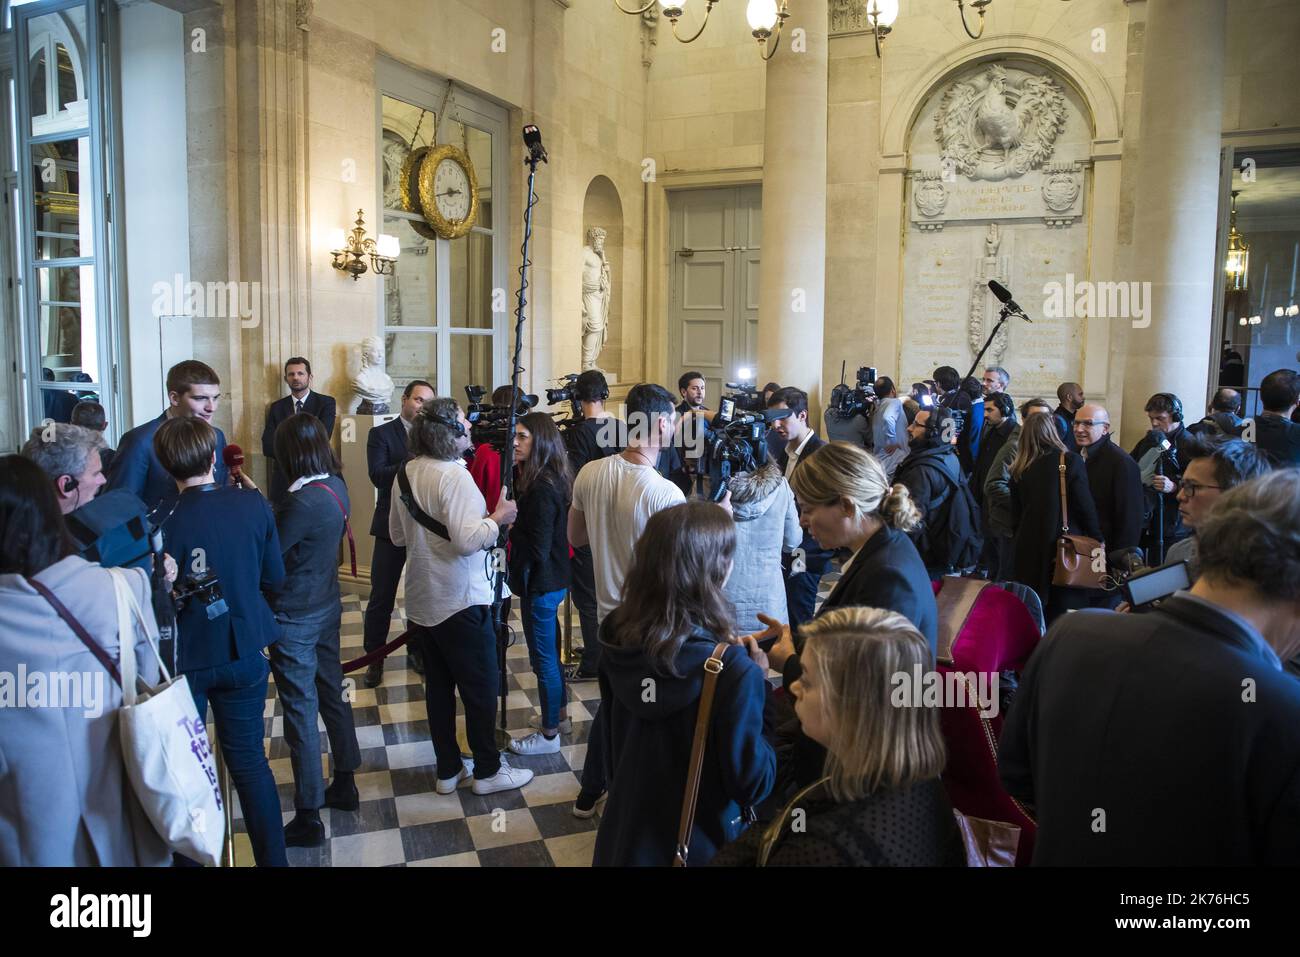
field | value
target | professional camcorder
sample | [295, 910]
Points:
[736, 442]
[744, 396]
[860, 400]
[203, 589]
[566, 393]
[490, 424]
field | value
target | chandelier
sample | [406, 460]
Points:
[766, 18]
[1237, 266]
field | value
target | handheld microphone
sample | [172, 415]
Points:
[1004, 296]
[233, 456]
[533, 140]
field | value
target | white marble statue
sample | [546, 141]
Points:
[596, 288]
[372, 385]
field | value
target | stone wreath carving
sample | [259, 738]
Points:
[992, 129]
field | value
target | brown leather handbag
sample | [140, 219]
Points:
[1074, 553]
[712, 668]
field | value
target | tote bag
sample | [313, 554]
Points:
[165, 746]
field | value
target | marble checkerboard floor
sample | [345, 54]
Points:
[402, 821]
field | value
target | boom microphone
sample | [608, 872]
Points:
[1004, 296]
[233, 456]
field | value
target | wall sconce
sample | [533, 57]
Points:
[978, 6]
[882, 14]
[350, 252]
[766, 18]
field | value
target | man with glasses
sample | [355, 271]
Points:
[1215, 467]
[1116, 484]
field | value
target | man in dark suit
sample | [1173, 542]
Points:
[297, 375]
[386, 450]
[193, 391]
[804, 567]
[1116, 484]
[1092, 740]
[1275, 432]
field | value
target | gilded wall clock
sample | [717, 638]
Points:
[448, 191]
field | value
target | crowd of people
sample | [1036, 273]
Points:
[725, 684]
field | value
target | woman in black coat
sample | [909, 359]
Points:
[652, 666]
[1036, 509]
[539, 565]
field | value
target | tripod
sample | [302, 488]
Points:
[535, 155]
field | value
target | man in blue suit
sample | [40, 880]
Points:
[386, 450]
[297, 375]
[193, 391]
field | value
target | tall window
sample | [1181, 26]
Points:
[58, 219]
[437, 313]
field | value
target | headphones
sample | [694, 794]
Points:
[68, 484]
[939, 416]
[1175, 405]
[457, 429]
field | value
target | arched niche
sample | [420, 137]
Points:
[602, 208]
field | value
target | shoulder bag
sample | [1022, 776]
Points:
[1073, 567]
[712, 668]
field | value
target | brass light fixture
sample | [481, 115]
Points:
[673, 10]
[979, 6]
[351, 252]
[882, 14]
[765, 19]
[1237, 266]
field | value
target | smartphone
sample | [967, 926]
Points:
[767, 643]
[1156, 583]
[927, 401]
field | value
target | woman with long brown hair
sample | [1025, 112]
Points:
[654, 648]
[1036, 509]
[539, 565]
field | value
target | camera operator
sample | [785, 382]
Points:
[1222, 418]
[71, 459]
[889, 427]
[948, 537]
[227, 533]
[595, 435]
[804, 566]
[1213, 467]
[1205, 668]
[386, 450]
[444, 524]
[1161, 455]
[485, 460]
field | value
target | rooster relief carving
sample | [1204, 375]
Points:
[993, 130]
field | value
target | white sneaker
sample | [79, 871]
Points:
[535, 743]
[503, 780]
[449, 785]
[535, 722]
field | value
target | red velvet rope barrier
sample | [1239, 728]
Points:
[370, 657]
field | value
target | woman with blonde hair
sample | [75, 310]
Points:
[878, 801]
[1036, 511]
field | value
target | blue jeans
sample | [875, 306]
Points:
[540, 631]
[309, 680]
[237, 691]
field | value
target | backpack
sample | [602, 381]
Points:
[959, 544]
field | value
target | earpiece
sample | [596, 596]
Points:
[457, 429]
[67, 484]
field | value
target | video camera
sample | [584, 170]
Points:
[860, 400]
[205, 590]
[566, 393]
[490, 424]
[735, 442]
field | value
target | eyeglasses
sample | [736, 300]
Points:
[1088, 423]
[1191, 488]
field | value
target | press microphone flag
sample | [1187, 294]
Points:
[233, 456]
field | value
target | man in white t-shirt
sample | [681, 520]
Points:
[613, 498]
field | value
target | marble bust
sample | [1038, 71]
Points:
[596, 286]
[372, 385]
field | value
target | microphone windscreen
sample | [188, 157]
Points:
[999, 290]
[233, 456]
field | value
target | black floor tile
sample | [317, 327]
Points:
[421, 841]
[532, 854]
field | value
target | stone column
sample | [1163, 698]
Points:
[1176, 219]
[792, 283]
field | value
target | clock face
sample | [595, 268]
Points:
[452, 190]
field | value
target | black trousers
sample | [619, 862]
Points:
[385, 572]
[460, 654]
[582, 588]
